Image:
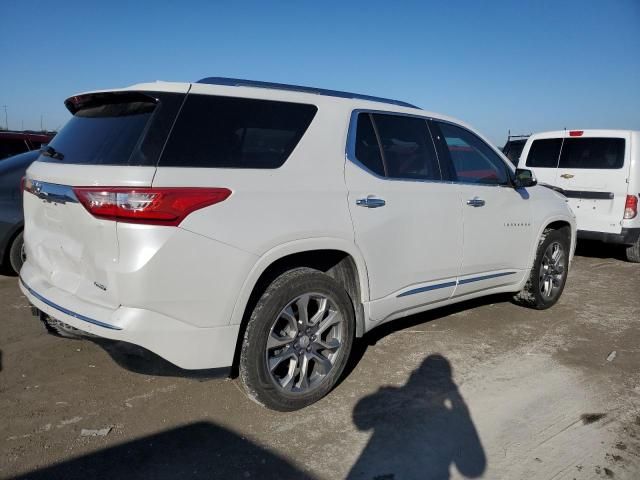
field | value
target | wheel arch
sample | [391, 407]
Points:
[555, 223]
[338, 258]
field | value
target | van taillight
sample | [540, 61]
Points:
[576, 133]
[155, 206]
[631, 207]
[22, 180]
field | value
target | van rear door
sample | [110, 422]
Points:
[594, 171]
[113, 140]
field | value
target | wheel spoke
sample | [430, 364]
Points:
[332, 319]
[322, 361]
[322, 309]
[330, 344]
[277, 359]
[303, 310]
[276, 341]
[303, 382]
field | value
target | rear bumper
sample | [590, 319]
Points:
[628, 236]
[184, 345]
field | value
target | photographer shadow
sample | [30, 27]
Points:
[420, 429]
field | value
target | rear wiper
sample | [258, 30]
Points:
[51, 152]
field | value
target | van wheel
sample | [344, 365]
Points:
[16, 253]
[549, 273]
[633, 252]
[297, 341]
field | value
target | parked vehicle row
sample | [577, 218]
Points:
[15, 143]
[227, 223]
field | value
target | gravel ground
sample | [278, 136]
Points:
[485, 389]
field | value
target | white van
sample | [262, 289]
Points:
[599, 172]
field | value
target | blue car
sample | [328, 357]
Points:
[11, 218]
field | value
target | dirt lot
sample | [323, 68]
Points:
[486, 389]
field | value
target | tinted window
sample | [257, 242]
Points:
[228, 132]
[473, 160]
[544, 153]
[105, 132]
[367, 148]
[407, 147]
[600, 153]
[10, 147]
[513, 149]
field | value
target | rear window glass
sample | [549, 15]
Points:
[105, 132]
[544, 153]
[597, 153]
[228, 132]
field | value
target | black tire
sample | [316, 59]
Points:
[633, 252]
[531, 295]
[255, 376]
[16, 258]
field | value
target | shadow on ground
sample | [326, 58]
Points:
[420, 430]
[594, 249]
[200, 450]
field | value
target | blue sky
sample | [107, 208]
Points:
[524, 66]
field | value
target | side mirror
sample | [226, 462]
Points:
[524, 178]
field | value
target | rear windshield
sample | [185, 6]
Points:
[228, 132]
[596, 153]
[544, 153]
[104, 131]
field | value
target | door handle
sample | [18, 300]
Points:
[370, 202]
[476, 202]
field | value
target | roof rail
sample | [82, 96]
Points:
[238, 82]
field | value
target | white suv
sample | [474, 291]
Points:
[227, 223]
[599, 171]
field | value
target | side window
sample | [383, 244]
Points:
[597, 153]
[367, 148]
[407, 148]
[544, 153]
[229, 132]
[473, 160]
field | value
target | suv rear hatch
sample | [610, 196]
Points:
[113, 140]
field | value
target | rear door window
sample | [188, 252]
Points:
[229, 132]
[408, 151]
[106, 129]
[544, 153]
[367, 147]
[473, 160]
[595, 153]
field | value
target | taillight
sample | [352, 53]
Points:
[576, 133]
[156, 206]
[22, 180]
[630, 207]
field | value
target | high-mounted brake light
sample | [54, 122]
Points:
[155, 206]
[576, 133]
[630, 207]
